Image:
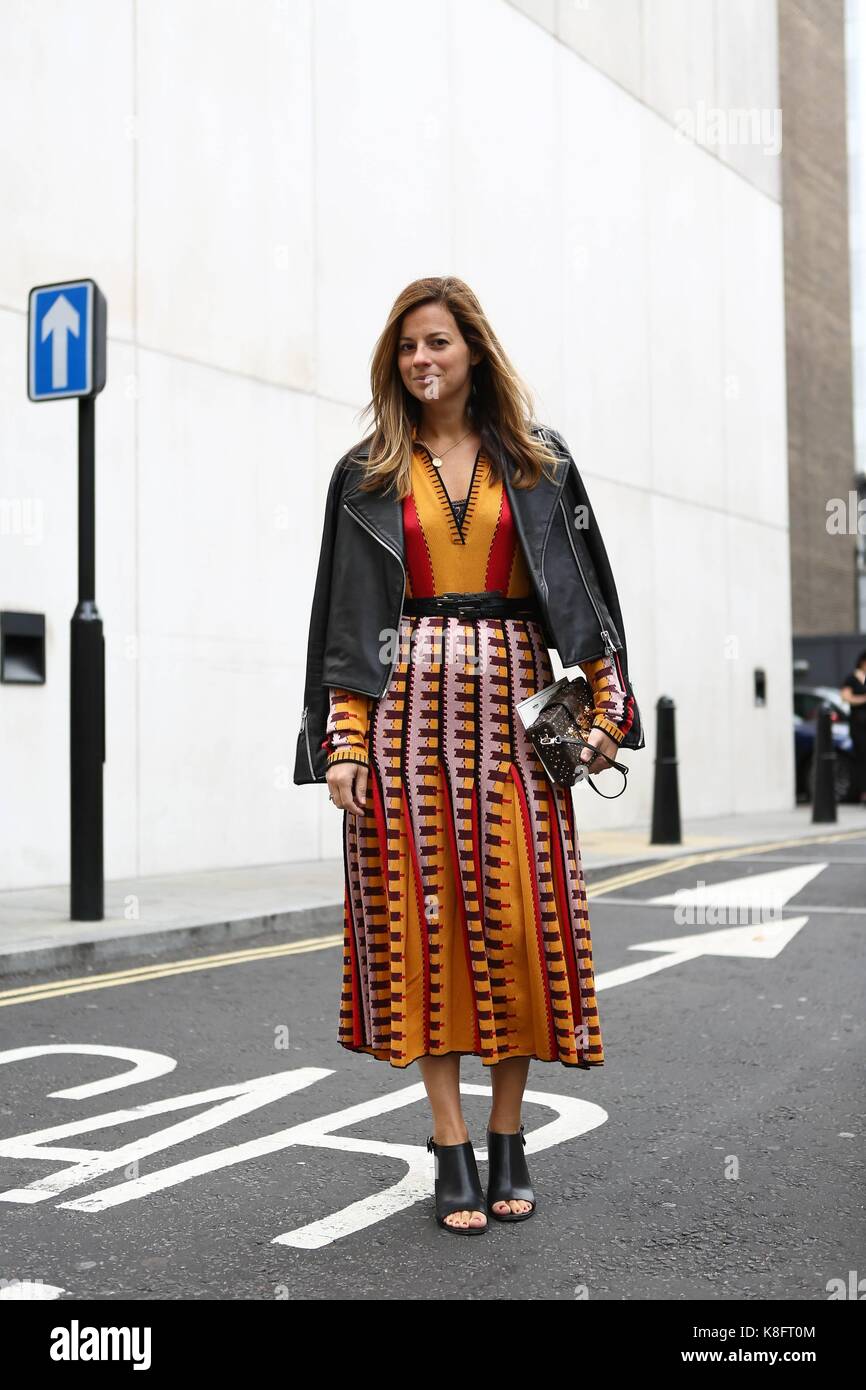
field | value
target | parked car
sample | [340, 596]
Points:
[807, 701]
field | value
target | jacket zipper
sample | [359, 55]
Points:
[307, 739]
[544, 587]
[377, 694]
[609, 648]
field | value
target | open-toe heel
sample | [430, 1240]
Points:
[457, 1184]
[508, 1175]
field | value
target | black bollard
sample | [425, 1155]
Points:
[666, 794]
[823, 768]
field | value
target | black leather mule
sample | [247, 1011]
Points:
[508, 1175]
[457, 1184]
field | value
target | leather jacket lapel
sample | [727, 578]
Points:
[533, 509]
[379, 510]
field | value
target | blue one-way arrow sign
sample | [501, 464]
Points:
[66, 341]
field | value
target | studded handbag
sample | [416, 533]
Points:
[558, 722]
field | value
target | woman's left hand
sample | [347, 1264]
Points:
[605, 745]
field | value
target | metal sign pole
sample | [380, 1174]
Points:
[87, 695]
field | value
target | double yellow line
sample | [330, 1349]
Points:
[32, 994]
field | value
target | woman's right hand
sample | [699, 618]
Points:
[347, 783]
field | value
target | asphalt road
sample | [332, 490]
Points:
[717, 1155]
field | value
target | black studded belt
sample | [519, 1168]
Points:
[491, 603]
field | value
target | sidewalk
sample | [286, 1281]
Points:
[229, 906]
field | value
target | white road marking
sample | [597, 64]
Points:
[764, 891]
[145, 1066]
[33, 1290]
[762, 941]
[573, 1117]
[88, 1164]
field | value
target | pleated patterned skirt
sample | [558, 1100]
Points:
[466, 923]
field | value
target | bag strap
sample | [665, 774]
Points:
[620, 767]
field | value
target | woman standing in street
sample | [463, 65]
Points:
[854, 694]
[459, 546]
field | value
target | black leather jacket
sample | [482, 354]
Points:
[361, 584]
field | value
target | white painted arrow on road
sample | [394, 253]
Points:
[765, 891]
[762, 939]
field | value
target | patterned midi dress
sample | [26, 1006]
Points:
[465, 916]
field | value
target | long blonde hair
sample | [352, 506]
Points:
[499, 405]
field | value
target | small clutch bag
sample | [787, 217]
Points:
[558, 722]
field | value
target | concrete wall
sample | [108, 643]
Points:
[818, 317]
[251, 185]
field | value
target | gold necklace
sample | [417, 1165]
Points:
[436, 460]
